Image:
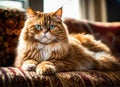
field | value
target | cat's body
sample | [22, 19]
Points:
[46, 47]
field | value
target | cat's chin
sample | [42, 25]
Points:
[45, 40]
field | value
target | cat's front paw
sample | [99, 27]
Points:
[45, 69]
[28, 67]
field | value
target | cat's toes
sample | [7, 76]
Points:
[45, 69]
[28, 67]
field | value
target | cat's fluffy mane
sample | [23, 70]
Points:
[25, 44]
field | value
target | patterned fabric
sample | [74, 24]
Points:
[11, 22]
[13, 77]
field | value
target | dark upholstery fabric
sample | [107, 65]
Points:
[11, 23]
[13, 77]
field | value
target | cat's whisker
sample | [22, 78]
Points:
[55, 40]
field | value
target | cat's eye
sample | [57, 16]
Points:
[38, 27]
[51, 27]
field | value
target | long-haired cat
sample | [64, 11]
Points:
[46, 47]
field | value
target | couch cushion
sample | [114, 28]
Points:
[14, 77]
[11, 22]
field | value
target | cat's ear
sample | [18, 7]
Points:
[30, 12]
[58, 12]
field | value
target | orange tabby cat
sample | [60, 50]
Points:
[46, 47]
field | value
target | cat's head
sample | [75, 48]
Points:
[44, 27]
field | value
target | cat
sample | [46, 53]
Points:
[46, 47]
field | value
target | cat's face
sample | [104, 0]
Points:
[44, 27]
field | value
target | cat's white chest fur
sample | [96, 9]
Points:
[57, 50]
[44, 52]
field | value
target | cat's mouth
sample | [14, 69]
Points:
[45, 39]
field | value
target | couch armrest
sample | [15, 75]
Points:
[14, 77]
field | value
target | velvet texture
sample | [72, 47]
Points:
[11, 23]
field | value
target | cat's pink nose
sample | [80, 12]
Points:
[44, 31]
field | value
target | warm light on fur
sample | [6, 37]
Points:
[48, 51]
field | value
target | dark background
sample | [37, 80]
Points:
[113, 10]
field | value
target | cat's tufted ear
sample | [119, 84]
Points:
[58, 13]
[30, 12]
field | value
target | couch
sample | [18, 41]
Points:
[11, 23]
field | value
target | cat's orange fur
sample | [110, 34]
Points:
[46, 47]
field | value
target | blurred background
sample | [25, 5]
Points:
[94, 10]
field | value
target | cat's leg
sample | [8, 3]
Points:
[53, 66]
[29, 65]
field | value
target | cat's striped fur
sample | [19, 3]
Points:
[46, 47]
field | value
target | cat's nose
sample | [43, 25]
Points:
[44, 31]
